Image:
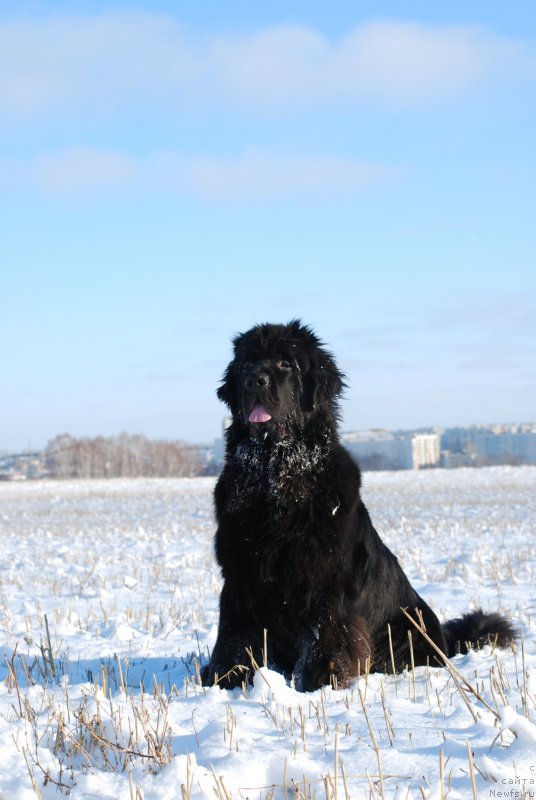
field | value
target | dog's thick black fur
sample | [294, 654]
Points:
[298, 552]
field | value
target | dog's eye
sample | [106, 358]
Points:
[284, 364]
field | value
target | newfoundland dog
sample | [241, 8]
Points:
[306, 575]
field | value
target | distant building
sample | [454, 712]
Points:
[379, 449]
[22, 466]
[425, 450]
[450, 460]
[480, 445]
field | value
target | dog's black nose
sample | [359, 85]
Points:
[257, 381]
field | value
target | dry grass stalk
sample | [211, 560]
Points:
[12, 678]
[220, 789]
[374, 744]
[410, 639]
[388, 723]
[197, 673]
[35, 787]
[336, 765]
[344, 781]
[49, 645]
[392, 658]
[442, 774]
[471, 770]
[186, 791]
[265, 649]
[120, 672]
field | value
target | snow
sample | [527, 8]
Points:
[123, 573]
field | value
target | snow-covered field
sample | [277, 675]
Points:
[106, 704]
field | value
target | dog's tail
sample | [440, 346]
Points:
[475, 629]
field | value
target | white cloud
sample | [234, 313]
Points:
[252, 175]
[412, 63]
[393, 63]
[104, 62]
[81, 169]
[258, 173]
[78, 63]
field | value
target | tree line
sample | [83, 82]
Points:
[124, 456]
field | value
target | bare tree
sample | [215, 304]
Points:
[127, 455]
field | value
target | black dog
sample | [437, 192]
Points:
[298, 552]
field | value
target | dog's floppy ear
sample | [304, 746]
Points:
[329, 380]
[227, 391]
[323, 382]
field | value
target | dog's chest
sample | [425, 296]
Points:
[281, 546]
[279, 480]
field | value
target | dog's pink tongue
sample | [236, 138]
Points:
[259, 413]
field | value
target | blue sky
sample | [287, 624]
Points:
[172, 173]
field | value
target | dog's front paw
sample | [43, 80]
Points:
[328, 671]
[319, 673]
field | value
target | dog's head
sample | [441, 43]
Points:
[280, 374]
